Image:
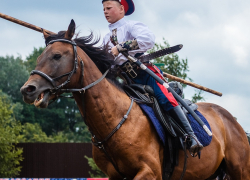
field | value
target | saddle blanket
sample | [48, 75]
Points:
[202, 136]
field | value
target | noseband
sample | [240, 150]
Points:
[52, 81]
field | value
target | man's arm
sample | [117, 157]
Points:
[144, 39]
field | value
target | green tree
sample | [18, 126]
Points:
[33, 133]
[197, 96]
[30, 62]
[13, 75]
[10, 129]
[96, 171]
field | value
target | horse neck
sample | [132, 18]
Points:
[105, 105]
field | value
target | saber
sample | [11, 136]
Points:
[162, 52]
[177, 97]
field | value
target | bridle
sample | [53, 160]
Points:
[70, 74]
[56, 89]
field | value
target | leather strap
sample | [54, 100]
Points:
[100, 144]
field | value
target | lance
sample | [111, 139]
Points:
[132, 59]
[162, 82]
[169, 76]
[25, 24]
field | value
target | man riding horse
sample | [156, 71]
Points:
[125, 145]
[135, 37]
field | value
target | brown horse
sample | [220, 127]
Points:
[135, 148]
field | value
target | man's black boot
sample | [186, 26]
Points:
[181, 119]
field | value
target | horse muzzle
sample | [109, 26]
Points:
[33, 95]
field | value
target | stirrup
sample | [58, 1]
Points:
[198, 146]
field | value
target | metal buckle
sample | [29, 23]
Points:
[130, 70]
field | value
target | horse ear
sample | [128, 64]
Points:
[45, 34]
[71, 30]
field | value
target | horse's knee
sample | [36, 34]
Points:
[147, 174]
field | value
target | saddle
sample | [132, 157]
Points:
[144, 94]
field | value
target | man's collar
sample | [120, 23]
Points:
[117, 24]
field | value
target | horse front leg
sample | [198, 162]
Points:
[147, 173]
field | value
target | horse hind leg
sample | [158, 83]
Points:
[238, 168]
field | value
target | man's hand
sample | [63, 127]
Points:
[114, 51]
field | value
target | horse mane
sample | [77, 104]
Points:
[98, 54]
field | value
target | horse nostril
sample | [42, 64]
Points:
[28, 89]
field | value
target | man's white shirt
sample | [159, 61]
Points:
[128, 30]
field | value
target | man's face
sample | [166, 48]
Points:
[113, 11]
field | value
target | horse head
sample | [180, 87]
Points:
[54, 67]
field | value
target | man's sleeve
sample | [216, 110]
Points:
[145, 38]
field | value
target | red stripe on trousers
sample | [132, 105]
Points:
[168, 95]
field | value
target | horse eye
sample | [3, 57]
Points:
[57, 56]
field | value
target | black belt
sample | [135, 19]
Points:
[130, 69]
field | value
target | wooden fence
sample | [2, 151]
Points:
[55, 160]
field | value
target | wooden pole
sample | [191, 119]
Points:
[191, 84]
[25, 24]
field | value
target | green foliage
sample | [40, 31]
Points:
[13, 75]
[97, 173]
[80, 133]
[10, 156]
[197, 96]
[33, 133]
[30, 62]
